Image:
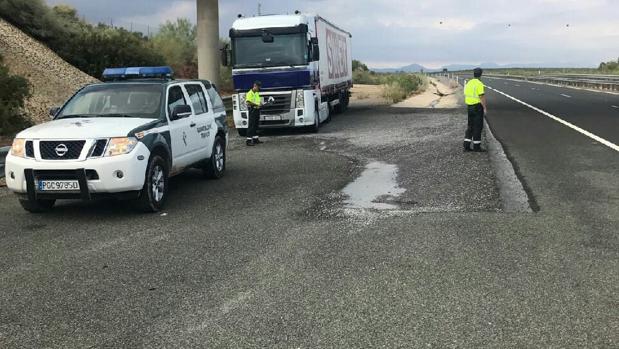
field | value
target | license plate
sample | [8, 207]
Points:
[272, 117]
[71, 185]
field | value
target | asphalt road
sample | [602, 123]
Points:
[271, 256]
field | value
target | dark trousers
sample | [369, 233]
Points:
[253, 122]
[476, 125]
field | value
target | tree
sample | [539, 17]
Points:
[14, 90]
[358, 65]
[176, 42]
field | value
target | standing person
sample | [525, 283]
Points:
[475, 99]
[254, 102]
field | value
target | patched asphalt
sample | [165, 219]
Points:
[269, 256]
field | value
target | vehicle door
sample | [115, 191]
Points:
[202, 134]
[217, 106]
[180, 129]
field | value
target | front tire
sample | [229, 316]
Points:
[155, 191]
[216, 165]
[37, 206]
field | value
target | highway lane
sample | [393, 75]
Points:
[596, 112]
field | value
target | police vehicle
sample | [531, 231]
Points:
[123, 138]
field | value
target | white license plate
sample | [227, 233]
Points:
[71, 185]
[272, 117]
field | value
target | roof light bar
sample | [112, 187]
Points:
[164, 72]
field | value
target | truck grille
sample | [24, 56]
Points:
[61, 150]
[281, 105]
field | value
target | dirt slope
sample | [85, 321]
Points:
[52, 79]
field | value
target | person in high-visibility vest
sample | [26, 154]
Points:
[475, 99]
[254, 102]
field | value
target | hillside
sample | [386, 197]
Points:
[51, 78]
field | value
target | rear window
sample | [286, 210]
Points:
[218, 104]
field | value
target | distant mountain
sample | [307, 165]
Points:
[412, 68]
[416, 68]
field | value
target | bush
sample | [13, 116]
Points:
[14, 90]
[398, 87]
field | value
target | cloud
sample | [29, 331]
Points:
[431, 32]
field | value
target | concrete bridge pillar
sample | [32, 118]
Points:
[208, 40]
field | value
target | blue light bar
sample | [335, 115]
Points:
[137, 73]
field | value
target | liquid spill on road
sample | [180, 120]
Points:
[375, 187]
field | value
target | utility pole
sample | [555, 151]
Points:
[259, 9]
[208, 40]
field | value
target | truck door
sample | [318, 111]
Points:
[179, 129]
[202, 134]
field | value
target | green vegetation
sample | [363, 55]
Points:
[611, 67]
[14, 90]
[396, 86]
[88, 47]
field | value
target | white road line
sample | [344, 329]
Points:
[556, 118]
[517, 85]
[614, 106]
[566, 96]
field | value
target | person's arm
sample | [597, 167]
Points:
[482, 98]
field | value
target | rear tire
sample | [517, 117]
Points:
[155, 191]
[216, 165]
[242, 132]
[37, 206]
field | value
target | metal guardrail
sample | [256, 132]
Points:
[604, 83]
[3, 152]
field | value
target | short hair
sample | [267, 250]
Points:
[477, 72]
[257, 83]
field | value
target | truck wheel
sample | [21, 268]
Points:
[216, 165]
[37, 206]
[242, 132]
[316, 127]
[340, 107]
[155, 190]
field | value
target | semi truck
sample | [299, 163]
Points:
[303, 62]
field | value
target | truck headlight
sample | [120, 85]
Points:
[19, 147]
[300, 99]
[242, 102]
[120, 146]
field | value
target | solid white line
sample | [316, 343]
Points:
[614, 106]
[566, 96]
[517, 85]
[556, 118]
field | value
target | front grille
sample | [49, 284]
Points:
[29, 149]
[99, 148]
[54, 150]
[281, 105]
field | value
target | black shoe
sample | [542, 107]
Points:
[467, 146]
[258, 141]
[250, 143]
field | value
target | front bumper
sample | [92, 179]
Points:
[96, 175]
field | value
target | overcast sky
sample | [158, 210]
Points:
[393, 33]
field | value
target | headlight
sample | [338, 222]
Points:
[19, 147]
[120, 146]
[242, 102]
[300, 99]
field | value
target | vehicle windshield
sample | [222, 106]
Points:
[115, 100]
[286, 49]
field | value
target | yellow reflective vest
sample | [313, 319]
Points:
[473, 90]
[253, 98]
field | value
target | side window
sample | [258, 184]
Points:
[175, 97]
[218, 104]
[198, 100]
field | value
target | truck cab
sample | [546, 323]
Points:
[303, 63]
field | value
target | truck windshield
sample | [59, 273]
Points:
[286, 49]
[115, 100]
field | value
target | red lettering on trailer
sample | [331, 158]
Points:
[337, 55]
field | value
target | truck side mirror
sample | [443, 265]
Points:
[315, 49]
[180, 111]
[53, 111]
[224, 56]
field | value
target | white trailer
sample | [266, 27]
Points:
[304, 63]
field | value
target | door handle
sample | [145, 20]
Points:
[193, 124]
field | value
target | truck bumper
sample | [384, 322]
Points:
[95, 176]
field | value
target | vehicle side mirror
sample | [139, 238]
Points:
[267, 37]
[180, 111]
[315, 49]
[53, 111]
[224, 56]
